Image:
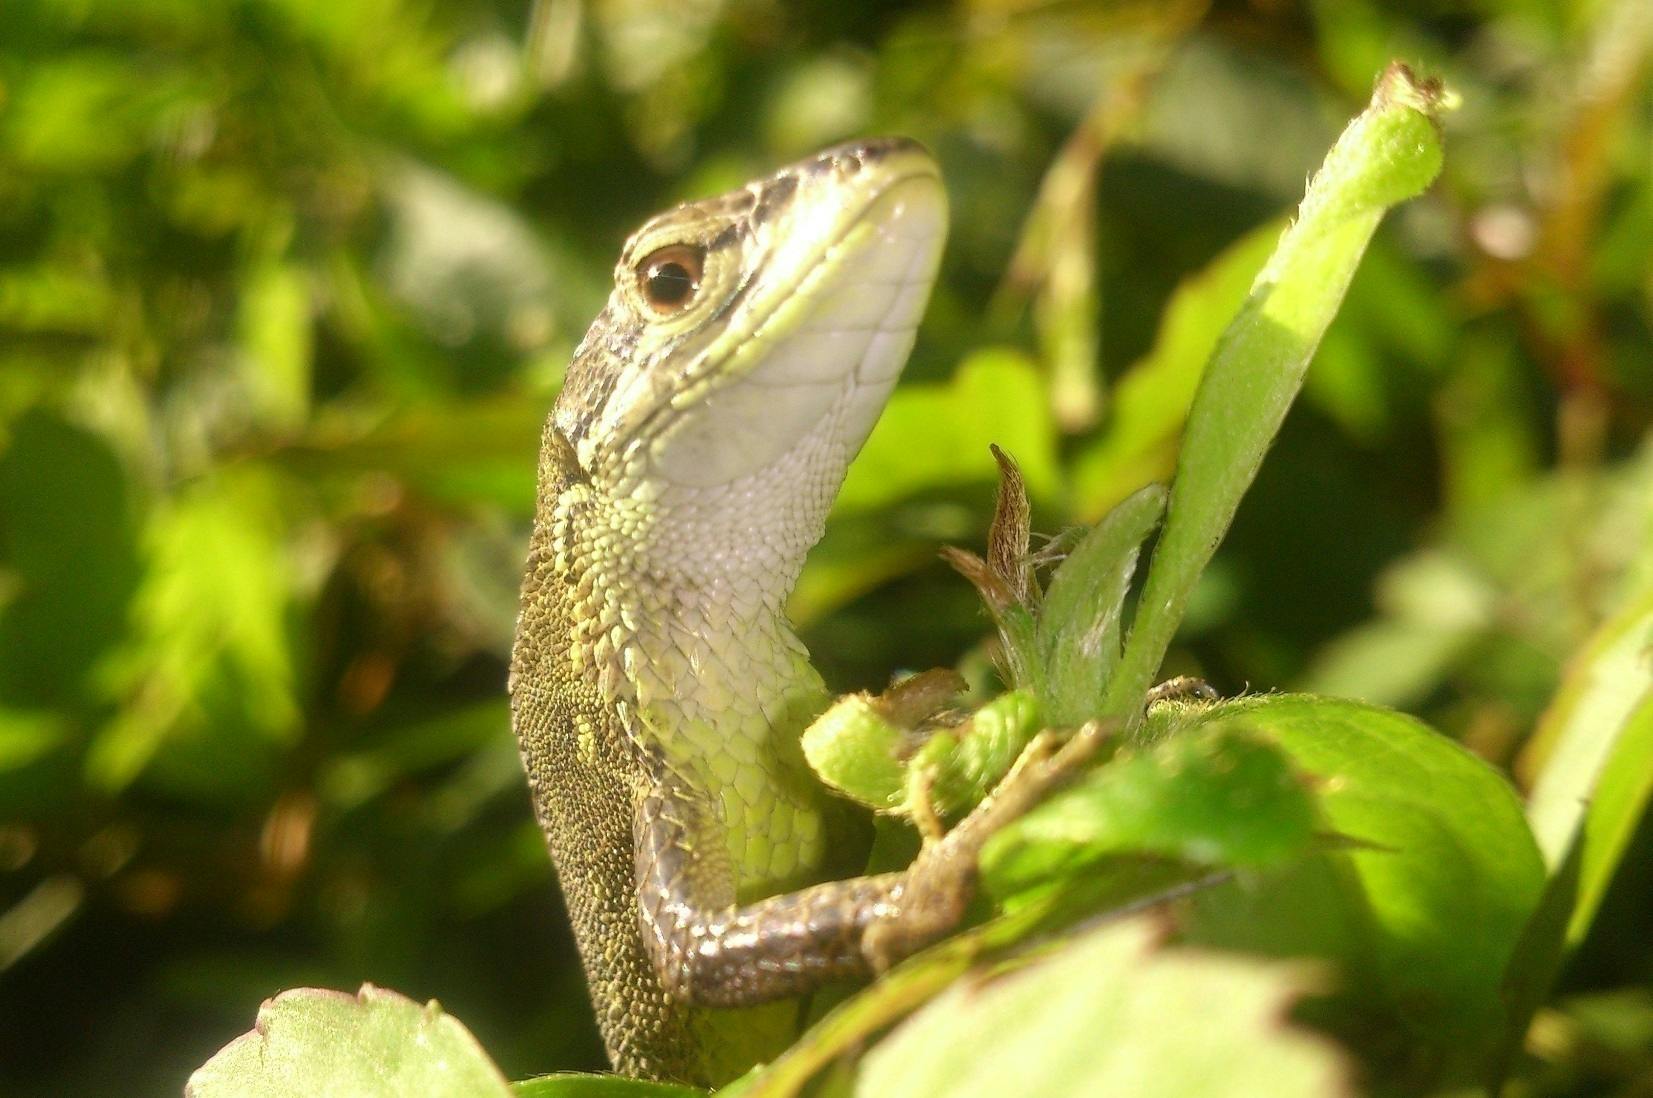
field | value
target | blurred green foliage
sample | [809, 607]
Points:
[286, 288]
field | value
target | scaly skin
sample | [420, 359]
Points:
[658, 692]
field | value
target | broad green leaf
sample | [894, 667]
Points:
[1217, 796]
[1079, 620]
[312, 1042]
[1112, 1012]
[1389, 153]
[581, 1085]
[1435, 889]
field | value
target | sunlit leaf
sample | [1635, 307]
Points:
[1603, 699]
[570, 1085]
[1439, 845]
[1388, 154]
[1080, 620]
[1109, 1013]
[1217, 796]
[276, 344]
[375, 1043]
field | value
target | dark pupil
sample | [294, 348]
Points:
[669, 284]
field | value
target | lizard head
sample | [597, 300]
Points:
[759, 332]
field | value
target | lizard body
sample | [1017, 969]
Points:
[658, 692]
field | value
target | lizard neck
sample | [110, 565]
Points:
[672, 600]
[688, 583]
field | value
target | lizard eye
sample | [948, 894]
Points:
[669, 277]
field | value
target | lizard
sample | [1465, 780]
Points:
[658, 691]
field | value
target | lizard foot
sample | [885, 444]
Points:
[935, 889]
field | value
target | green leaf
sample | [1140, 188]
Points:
[962, 765]
[351, 778]
[1594, 751]
[1217, 796]
[581, 1085]
[1432, 898]
[315, 1042]
[1388, 154]
[859, 752]
[1621, 797]
[1112, 1013]
[1079, 622]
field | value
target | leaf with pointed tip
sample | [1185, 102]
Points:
[1079, 622]
[1218, 796]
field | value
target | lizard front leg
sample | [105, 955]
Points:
[709, 950]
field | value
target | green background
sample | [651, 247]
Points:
[287, 286]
